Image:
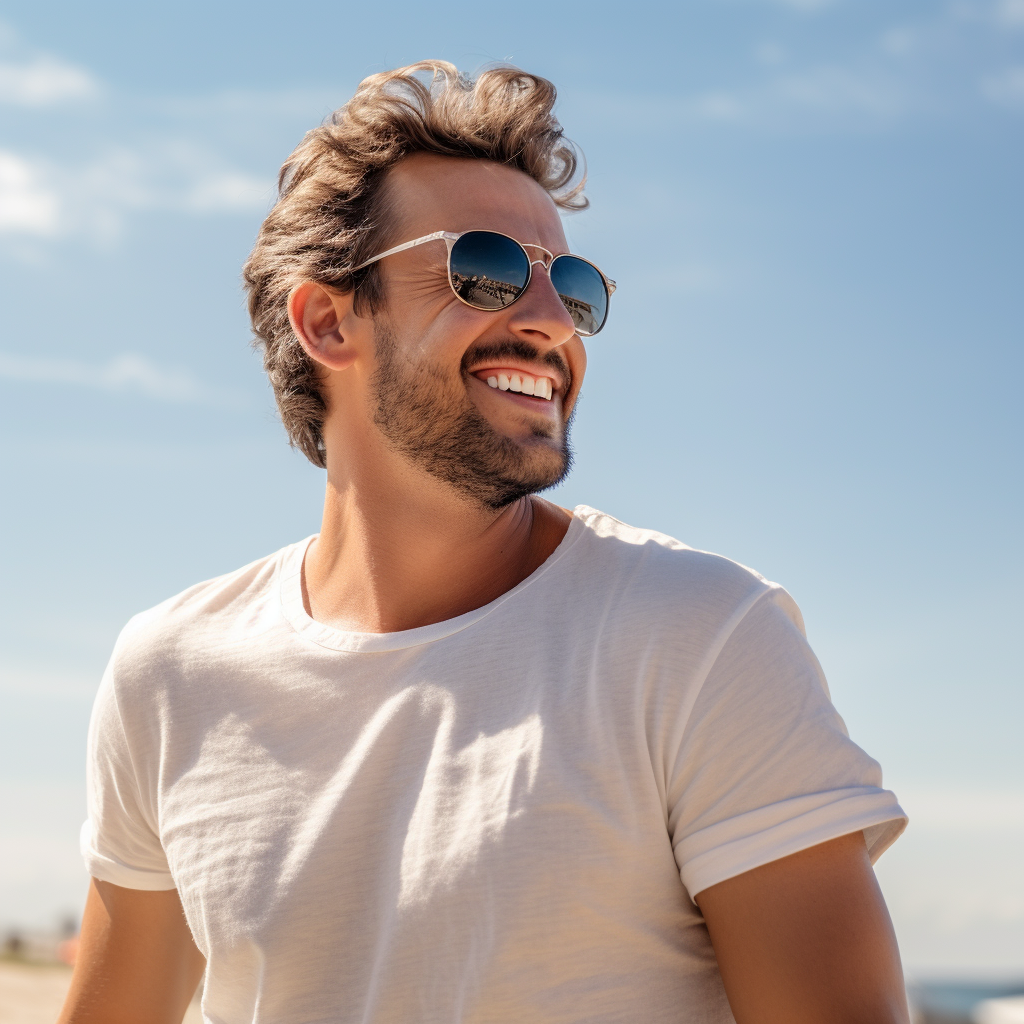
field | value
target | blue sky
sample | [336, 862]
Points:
[813, 363]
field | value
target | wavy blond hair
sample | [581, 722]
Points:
[331, 212]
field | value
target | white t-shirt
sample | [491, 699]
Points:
[498, 818]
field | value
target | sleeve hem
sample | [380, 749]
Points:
[108, 869]
[712, 855]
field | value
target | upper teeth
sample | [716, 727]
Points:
[540, 387]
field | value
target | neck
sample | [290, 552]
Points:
[395, 552]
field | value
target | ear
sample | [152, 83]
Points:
[319, 317]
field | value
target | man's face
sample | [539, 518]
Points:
[434, 354]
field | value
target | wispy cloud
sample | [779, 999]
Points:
[27, 205]
[44, 80]
[121, 154]
[925, 67]
[41, 197]
[828, 94]
[128, 373]
[227, 190]
[176, 174]
[844, 90]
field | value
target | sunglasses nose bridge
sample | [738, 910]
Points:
[545, 258]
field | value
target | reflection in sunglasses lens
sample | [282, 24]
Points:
[488, 270]
[582, 291]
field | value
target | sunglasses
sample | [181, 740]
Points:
[489, 270]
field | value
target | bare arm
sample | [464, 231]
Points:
[807, 940]
[136, 959]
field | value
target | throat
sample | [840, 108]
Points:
[397, 572]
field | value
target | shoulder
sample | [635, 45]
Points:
[654, 566]
[189, 627]
[659, 582]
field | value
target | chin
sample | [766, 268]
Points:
[539, 468]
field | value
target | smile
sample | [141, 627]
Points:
[524, 383]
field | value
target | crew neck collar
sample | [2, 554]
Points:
[294, 609]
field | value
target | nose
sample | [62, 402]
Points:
[539, 315]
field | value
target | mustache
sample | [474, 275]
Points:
[519, 349]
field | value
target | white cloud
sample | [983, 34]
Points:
[126, 373]
[174, 160]
[27, 205]
[228, 191]
[45, 199]
[1005, 88]
[43, 81]
[176, 175]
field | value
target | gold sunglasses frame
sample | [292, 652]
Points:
[451, 237]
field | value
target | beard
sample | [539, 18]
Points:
[425, 414]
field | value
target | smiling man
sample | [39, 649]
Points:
[466, 756]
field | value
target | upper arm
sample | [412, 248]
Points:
[136, 960]
[764, 767]
[775, 816]
[120, 840]
[807, 939]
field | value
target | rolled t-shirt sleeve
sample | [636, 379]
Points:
[119, 840]
[765, 767]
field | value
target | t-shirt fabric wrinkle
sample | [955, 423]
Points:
[500, 817]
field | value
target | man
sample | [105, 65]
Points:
[466, 756]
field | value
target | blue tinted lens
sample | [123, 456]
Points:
[488, 270]
[582, 290]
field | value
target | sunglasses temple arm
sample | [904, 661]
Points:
[448, 236]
